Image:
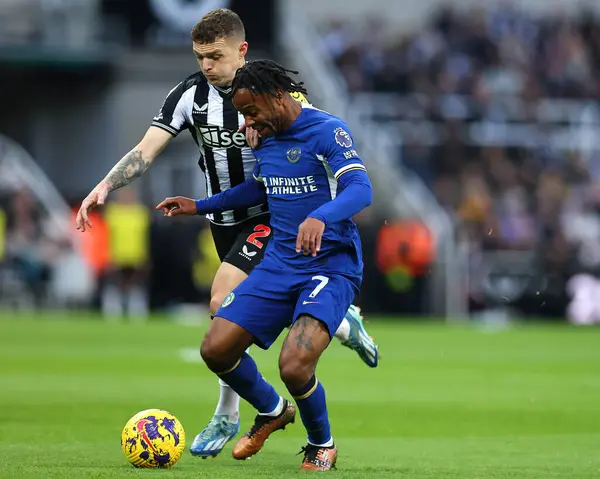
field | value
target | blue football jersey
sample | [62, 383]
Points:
[300, 169]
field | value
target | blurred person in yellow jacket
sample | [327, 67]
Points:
[128, 225]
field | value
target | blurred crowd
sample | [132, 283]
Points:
[479, 52]
[497, 111]
[26, 250]
[124, 266]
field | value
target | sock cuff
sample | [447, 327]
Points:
[237, 363]
[306, 390]
[329, 443]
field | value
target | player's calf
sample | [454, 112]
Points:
[300, 353]
[312, 404]
[219, 431]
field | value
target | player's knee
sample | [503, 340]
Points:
[295, 371]
[216, 300]
[215, 355]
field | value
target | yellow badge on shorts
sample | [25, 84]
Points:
[228, 300]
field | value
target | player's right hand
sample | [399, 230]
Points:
[96, 197]
[310, 233]
[252, 137]
[179, 205]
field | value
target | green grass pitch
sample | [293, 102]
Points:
[446, 402]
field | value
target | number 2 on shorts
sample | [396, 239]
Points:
[260, 231]
[323, 280]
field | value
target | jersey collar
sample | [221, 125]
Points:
[227, 90]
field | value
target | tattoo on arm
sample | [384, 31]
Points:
[131, 166]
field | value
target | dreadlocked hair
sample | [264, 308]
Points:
[266, 76]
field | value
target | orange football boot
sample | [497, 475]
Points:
[253, 441]
[318, 458]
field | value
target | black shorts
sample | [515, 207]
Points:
[243, 245]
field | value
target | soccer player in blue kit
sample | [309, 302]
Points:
[315, 182]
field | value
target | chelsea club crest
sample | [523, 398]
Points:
[228, 300]
[293, 155]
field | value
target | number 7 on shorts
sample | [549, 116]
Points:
[323, 280]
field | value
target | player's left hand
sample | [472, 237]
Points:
[310, 233]
[179, 205]
[252, 137]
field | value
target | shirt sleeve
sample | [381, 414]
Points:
[244, 195]
[175, 115]
[355, 195]
[337, 148]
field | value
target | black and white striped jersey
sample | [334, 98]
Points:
[226, 159]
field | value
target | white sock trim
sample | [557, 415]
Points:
[327, 444]
[275, 412]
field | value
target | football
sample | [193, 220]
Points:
[153, 439]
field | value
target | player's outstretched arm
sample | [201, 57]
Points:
[131, 166]
[246, 194]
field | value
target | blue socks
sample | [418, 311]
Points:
[245, 380]
[313, 410]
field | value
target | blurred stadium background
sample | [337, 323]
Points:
[479, 123]
[478, 120]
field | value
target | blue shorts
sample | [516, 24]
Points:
[270, 300]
